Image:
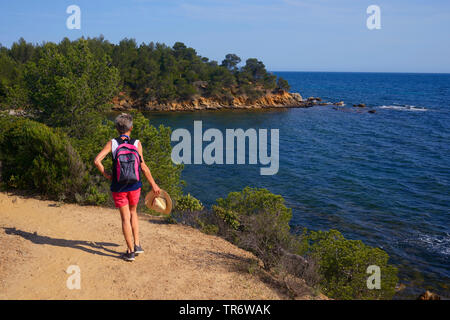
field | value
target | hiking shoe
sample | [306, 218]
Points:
[128, 256]
[138, 249]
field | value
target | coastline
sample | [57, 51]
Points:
[278, 99]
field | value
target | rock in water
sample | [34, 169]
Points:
[427, 295]
[297, 96]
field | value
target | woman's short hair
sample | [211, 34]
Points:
[124, 122]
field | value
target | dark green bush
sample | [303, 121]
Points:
[343, 264]
[265, 236]
[94, 196]
[38, 159]
[283, 84]
[208, 228]
[90, 145]
[188, 203]
[261, 220]
[69, 86]
[228, 216]
[204, 219]
[252, 201]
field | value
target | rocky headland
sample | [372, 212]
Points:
[277, 99]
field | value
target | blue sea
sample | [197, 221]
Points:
[381, 177]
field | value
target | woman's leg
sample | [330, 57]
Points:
[133, 200]
[126, 226]
[135, 224]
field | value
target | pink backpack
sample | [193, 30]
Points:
[126, 161]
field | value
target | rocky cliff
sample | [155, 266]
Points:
[279, 99]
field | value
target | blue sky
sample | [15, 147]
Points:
[287, 35]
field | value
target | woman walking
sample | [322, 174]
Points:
[128, 163]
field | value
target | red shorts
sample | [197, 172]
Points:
[123, 198]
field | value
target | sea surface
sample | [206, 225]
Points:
[381, 177]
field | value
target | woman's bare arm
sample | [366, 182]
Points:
[147, 172]
[99, 158]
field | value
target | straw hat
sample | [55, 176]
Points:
[161, 204]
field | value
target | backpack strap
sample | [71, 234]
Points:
[114, 146]
[116, 142]
[131, 141]
[135, 143]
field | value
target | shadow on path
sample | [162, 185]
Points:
[87, 246]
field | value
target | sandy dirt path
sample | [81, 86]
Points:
[39, 240]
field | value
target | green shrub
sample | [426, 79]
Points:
[36, 158]
[343, 264]
[208, 228]
[188, 203]
[228, 216]
[6, 122]
[261, 219]
[95, 197]
[69, 86]
[265, 235]
[283, 84]
[90, 145]
[252, 201]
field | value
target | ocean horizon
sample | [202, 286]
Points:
[381, 72]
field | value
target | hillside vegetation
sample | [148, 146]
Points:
[149, 72]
